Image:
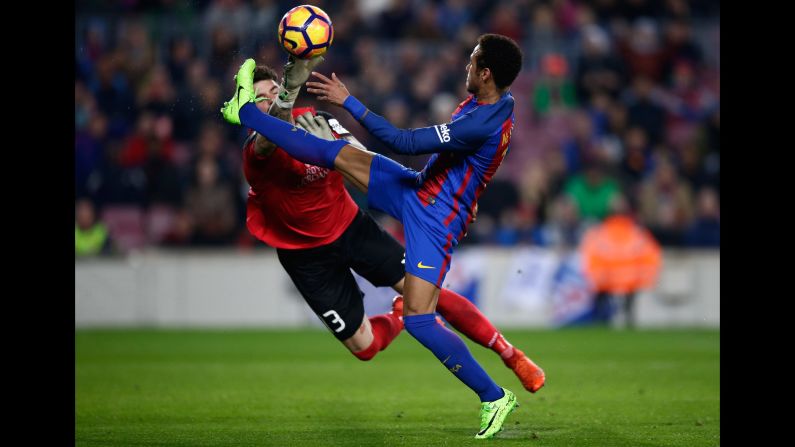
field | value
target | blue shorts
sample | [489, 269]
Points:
[429, 244]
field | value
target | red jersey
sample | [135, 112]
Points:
[294, 205]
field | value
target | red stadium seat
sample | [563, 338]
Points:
[159, 221]
[126, 226]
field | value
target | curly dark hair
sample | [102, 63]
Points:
[502, 56]
[265, 73]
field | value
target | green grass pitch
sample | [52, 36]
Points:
[284, 388]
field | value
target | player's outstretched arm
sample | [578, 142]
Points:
[459, 135]
[296, 73]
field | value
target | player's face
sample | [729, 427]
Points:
[473, 82]
[266, 89]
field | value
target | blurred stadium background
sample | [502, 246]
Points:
[188, 331]
[616, 98]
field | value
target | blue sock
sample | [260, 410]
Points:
[301, 145]
[453, 353]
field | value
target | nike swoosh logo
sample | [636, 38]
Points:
[238, 94]
[490, 422]
[419, 264]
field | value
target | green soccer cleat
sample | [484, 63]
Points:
[244, 93]
[493, 414]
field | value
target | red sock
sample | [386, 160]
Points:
[369, 352]
[467, 318]
[385, 328]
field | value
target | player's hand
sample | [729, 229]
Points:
[330, 90]
[316, 125]
[296, 71]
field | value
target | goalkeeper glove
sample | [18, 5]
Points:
[296, 73]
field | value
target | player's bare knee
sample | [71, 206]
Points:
[417, 308]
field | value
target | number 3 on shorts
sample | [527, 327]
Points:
[335, 320]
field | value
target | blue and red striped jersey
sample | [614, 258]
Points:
[467, 152]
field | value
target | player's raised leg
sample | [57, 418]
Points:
[323, 278]
[352, 162]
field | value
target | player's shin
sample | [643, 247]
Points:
[465, 317]
[453, 353]
[300, 144]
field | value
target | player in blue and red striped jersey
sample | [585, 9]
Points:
[434, 205]
[319, 233]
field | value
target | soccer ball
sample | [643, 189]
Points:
[306, 31]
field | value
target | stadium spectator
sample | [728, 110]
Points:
[156, 92]
[90, 145]
[425, 25]
[504, 20]
[643, 109]
[535, 192]
[620, 258]
[113, 94]
[91, 236]
[562, 230]
[181, 53]
[393, 21]
[665, 202]
[581, 148]
[592, 190]
[598, 69]
[136, 53]
[455, 14]
[554, 91]
[680, 47]
[231, 14]
[643, 51]
[162, 175]
[635, 160]
[711, 138]
[210, 203]
[705, 230]
[687, 101]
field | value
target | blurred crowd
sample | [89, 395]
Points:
[617, 98]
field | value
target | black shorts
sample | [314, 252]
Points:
[322, 274]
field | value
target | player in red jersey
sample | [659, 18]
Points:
[305, 212]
